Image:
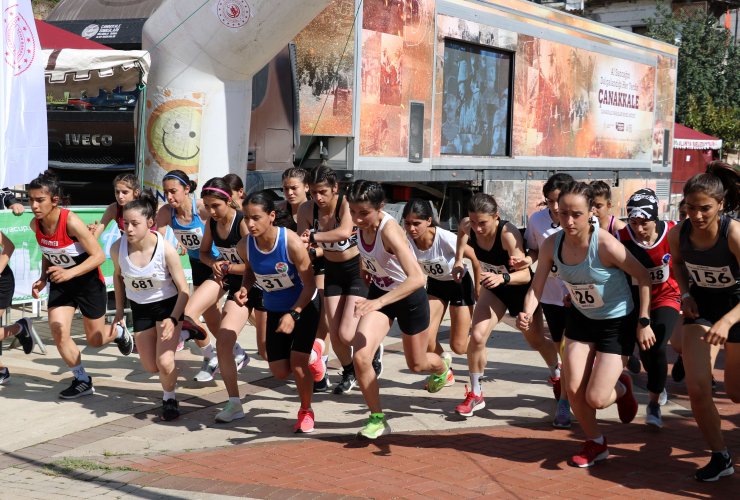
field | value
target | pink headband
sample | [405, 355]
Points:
[228, 195]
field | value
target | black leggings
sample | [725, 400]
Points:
[662, 321]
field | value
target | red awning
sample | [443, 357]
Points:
[688, 138]
[52, 37]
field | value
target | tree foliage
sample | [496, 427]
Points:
[708, 87]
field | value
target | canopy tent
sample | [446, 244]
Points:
[692, 151]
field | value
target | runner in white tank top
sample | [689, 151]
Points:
[148, 271]
[397, 292]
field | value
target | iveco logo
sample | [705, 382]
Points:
[88, 140]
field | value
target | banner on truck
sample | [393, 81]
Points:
[23, 134]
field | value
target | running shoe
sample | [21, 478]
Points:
[375, 427]
[305, 423]
[449, 382]
[4, 375]
[591, 454]
[318, 367]
[378, 361]
[663, 398]
[125, 341]
[627, 404]
[562, 415]
[232, 411]
[322, 385]
[77, 389]
[450, 376]
[677, 372]
[27, 336]
[170, 409]
[471, 404]
[241, 358]
[208, 368]
[719, 466]
[195, 332]
[347, 383]
[653, 417]
[556, 388]
[436, 382]
[180, 346]
[633, 364]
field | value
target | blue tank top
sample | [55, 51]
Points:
[597, 291]
[276, 275]
[190, 235]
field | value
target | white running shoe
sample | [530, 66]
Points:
[232, 411]
[241, 358]
[207, 369]
[663, 398]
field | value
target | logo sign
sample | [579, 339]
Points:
[90, 31]
[233, 13]
[281, 267]
[20, 46]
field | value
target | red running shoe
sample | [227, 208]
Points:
[305, 422]
[471, 404]
[318, 367]
[591, 454]
[627, 404]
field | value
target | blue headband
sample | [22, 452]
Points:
[173, 176]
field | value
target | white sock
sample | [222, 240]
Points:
[475, 383]
[80, 373]
[168, 395]
[208, 351]
[555, 371]
[236, 400]
[599, 440]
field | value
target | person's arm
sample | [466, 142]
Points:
[720, 330]
[613, 254]
[512, 242]
[678, 267]
[530, 240]
[97, 228]
[532, 298]
[248, 278]
[7, 251]
[304, 217]
[463, 230]
[119, 288]
[95, 255]
[299, 255]
[395, 242]
[12, 202]
[174, 265]
[163, 219]
[341, 233]
[617, 226]
[206, 244]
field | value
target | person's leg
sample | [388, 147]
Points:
[165, 358]
[579, 358]
[460, 319]
[603, 390]
[654, 359]
[487, 313]
[97, 332]
[418, 358]
[437, 310]
[60, 324]
[371, 330]
[536, 339]
[203, 299]
[146, 342]
[302, 376]
[233, 320]
[260, 327]
[339, 311]
[732, 371]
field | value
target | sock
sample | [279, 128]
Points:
[208, 351]
[238, 349]
[350, 368]
[168, 395]
[236, 400]
[599, 440]
[725, 453]
[555, 371]
[475, 383]
[80, 373]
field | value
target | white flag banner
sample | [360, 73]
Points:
[23, 133]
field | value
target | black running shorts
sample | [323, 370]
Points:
[412, 312]
[7, 288]
[147, 315]
[451, 292]
[610, 336]
[712, 306]
[200, 271]
[86, 292]
[344, 278]
[280, 345]
[556, 317]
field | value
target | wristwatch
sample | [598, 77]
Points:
[294, 314]
[174, 320]
[507, 278]
[312, 237]
[644, 322]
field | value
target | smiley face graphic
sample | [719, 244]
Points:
[173, 135]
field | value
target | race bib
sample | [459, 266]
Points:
[189, 238]
[435, 268]
[658, 274]
[142, 283]
[585, 296]
[274, 282]
[711, 277]
[340, 246]
[490, 268]
[378, 275]
[231, 255]
[60, 258]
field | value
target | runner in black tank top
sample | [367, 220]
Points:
[706, 248]
[502, 289]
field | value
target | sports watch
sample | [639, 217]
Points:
[644, 322]
[294, 314]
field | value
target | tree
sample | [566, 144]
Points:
[708, 87]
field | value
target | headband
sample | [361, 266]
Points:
[173, 176]
[228, 195]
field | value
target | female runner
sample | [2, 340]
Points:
[186, 216]
[434, 248]
[277, 259]
[496, 243]
[126, 189]
[71, 262]
[646, 238]
[602, 206]
[148, 269]
[599, 330]
[396, 292]
[706, 248]
[331, 230]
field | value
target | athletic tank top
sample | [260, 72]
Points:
[657, 260]
[335, 246]
[276, 274]
[148, 284]
[227, 246]
[495, 260]
[598, 292]
[119, 217]
[438, 260]
[610, 227]
[384, 269]
[539, 228]
[190, 235]
[714, 270]
[59, 248]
